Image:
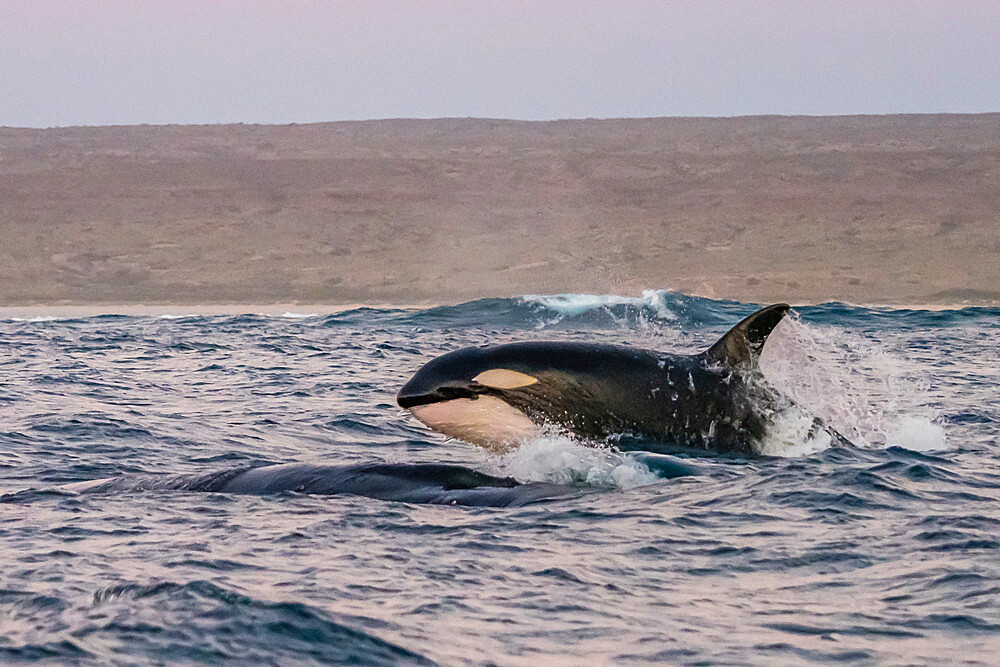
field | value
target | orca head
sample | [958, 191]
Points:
[465, 394]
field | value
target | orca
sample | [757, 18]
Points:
[423, 483]
[500, 396]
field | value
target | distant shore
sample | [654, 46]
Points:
[886, 210]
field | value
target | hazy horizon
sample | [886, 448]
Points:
[118, 63]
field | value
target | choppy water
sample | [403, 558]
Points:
[885, 552]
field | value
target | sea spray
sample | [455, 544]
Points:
[853, 384]
[562, 460]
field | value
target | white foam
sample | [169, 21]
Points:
[793, 434]
[561, 460]
[917, 433]
[40, 318]
[575, 304]
[297, 316]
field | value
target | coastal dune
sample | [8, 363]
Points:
[867, 209]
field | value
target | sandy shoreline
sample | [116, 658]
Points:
[860, 209]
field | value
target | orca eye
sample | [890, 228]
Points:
[502, 378]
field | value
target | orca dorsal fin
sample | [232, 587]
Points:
[742, 344]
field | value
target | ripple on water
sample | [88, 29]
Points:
[886, 551]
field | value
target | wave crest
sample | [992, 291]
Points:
[576, 304]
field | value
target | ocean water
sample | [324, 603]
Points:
[888, 551]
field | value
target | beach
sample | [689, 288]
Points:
[865, 209]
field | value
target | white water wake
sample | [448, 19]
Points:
[560, 459]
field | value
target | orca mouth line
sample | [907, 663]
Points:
[439, 395]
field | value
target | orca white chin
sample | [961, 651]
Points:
[486, 421]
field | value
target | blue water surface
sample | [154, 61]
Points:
[884, 552]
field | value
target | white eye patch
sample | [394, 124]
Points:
[502, 378]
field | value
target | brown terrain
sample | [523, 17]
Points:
[868, 209]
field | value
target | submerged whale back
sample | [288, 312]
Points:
[437, 484]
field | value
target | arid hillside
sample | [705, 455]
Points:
[891, 209]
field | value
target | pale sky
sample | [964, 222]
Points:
[85, 62]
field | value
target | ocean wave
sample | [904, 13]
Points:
[190, 621]
[197, 621]
[665, 305]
